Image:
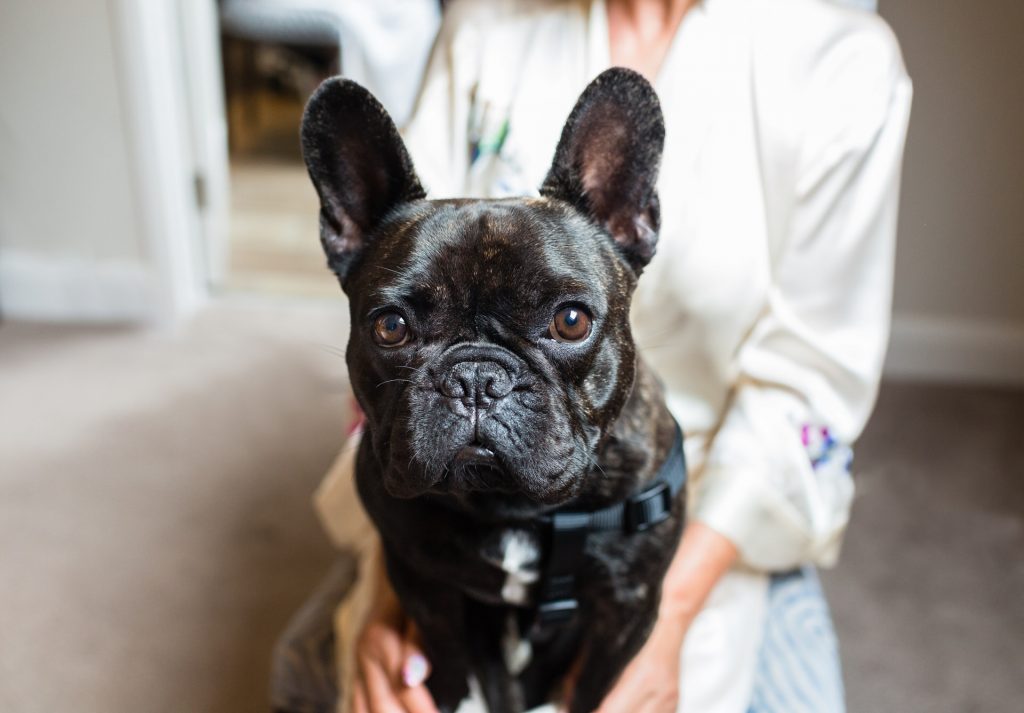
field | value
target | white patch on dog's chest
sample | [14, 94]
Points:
[521, 562]
[517, 651]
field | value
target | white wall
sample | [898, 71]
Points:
[64, 162]
[77, 237]
[959, 298]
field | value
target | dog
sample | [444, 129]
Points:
[491, 353]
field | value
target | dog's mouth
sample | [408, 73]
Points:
[475, 454]
[475, 468]
[479, 481]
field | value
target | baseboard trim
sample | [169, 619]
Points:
[956, 350]
[61, 289]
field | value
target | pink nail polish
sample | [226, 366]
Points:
[415, 670]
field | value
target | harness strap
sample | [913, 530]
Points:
[557, 601]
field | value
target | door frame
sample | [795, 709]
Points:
[169, 66]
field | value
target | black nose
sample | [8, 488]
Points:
[476, 383]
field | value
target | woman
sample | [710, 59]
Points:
[766, 311]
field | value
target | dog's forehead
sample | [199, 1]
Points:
[488, 248]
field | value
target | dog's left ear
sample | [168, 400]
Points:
[359, 166]
[607, 159]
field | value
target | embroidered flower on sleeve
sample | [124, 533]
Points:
[824, 450]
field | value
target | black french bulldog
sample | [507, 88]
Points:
[491, 352]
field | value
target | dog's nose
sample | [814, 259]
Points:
[477, 383]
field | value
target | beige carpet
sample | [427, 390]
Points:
[274, 213]
[155, 530]
[929, 594]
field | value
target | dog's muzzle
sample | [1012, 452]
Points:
[476, 377]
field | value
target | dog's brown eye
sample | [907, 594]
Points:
[571, 324]
[390, 330]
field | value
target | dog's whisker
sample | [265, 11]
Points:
[416, 369]
[389, 381]
[331, 349]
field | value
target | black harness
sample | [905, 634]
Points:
[570, 529]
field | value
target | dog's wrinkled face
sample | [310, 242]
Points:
[490, 344]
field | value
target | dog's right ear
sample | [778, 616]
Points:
[607, 159]
[359, 166]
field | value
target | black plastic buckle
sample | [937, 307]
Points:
[649, 508]
[556, 611]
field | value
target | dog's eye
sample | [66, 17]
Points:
[570, 324]
[390, 330]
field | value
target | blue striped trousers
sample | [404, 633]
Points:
[798, 667]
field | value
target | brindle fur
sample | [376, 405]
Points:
[581, 425]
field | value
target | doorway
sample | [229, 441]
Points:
[272, 58]
[248, 67]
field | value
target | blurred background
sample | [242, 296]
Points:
[172, 385]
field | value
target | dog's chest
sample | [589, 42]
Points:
[517, 553]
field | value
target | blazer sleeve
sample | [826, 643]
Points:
[777, 480]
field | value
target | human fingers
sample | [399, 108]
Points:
[641, 694]
[381, 692]
[415, 666]
[415, 671]
[417, 699]
[359, 704]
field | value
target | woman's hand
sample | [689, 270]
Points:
[650, 683]
[391, 665]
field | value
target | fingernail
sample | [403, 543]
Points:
[415, 670]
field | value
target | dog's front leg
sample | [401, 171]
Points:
[617, 635]
[489, 631]
[438, 611]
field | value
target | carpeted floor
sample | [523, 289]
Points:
[155, 529]
[929, 594]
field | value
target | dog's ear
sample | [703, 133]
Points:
[359, 165]
[607, 159]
